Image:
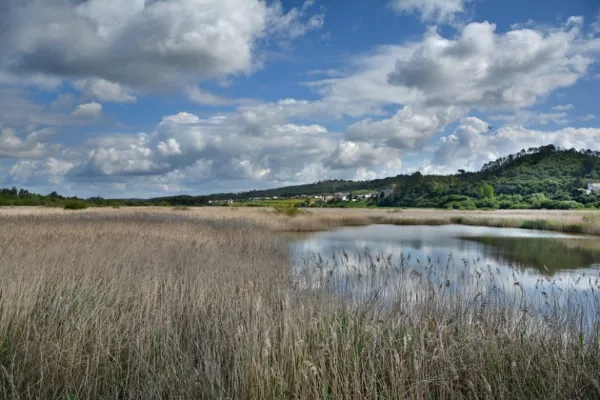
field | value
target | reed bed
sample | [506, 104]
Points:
[127, 305]
[320, 219]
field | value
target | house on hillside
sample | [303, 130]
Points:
[341, 196]
[594, 187]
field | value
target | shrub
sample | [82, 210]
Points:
[520, 206]
[75, 205]
[487, 203]
[461, 205]
[290, 211]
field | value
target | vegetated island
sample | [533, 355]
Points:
[544, 177]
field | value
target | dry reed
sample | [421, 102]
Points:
[138, 306]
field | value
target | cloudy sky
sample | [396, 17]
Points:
[137, 98]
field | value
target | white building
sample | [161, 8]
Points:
[341, 196]
[594, 187]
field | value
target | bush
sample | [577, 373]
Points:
[520, 206]
[290, 211]
[75, 205]
[461, 205]
[487, 203]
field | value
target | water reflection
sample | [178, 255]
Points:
[550, 272]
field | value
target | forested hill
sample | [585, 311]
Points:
[542, 177]
[538, 177]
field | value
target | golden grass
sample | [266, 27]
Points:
[319, 219]
[132, 304]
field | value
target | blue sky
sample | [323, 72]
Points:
[138, 98]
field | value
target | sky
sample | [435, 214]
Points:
[146, 98]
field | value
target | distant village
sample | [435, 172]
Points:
[592, 188]
[325, 198]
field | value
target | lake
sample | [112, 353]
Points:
[387, 263]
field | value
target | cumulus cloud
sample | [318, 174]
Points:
[12, 145]
[88, 110]
[431, 10]
[232, 151]
[360, 155]
[408, 128]
[35, 171]
[472, 144]
[141, 44]
[391, 102]
[482, 68]
[100, 89]
[219, 147]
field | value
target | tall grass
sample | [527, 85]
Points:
[101, 305]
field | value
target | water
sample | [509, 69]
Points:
[524, 268]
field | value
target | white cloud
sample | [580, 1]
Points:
[169, 147]
[436, 10]
[307, 4]
[220, 147]
[206, 98]
[12, 145]
[408, 128]
[472, 145]
[141, 44]
[126, 156]
[49, 170]
[88, 110]
[563, 107]
[100, 89]
[485, 69]
[293, 23]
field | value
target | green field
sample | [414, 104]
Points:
[268, 203]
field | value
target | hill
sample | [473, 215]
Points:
[539, 177]
[544, 177]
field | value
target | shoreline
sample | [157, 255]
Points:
[322, 219]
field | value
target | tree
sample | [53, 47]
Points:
[486, 191]
[588, 166]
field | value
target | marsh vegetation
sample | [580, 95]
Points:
[117, 304]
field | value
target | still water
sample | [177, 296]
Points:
[515, 265]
